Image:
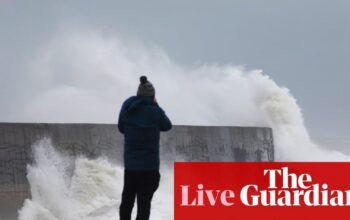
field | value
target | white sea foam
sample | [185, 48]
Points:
[67, 188]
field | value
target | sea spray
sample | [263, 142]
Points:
[97, 73]
[282, 113]
[68, 188]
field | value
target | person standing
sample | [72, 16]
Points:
[141, 120]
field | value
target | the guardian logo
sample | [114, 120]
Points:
[284, 189]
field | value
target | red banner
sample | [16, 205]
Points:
[259, 190]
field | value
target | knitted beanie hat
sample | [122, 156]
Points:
[145, 88]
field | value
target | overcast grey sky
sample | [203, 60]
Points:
[302, 44]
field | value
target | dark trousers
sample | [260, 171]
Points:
[142, 185]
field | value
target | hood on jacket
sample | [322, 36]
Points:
[137, 102]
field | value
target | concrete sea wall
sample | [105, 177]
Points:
[182, 143]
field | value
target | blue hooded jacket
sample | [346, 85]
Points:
[141, 120]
